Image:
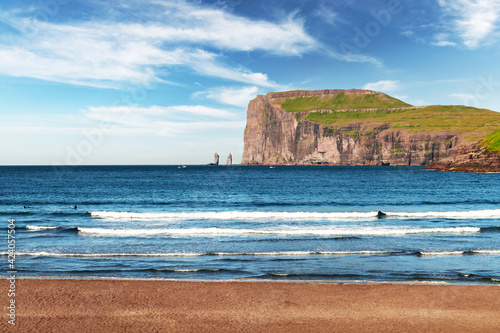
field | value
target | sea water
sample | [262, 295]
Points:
[240, 222]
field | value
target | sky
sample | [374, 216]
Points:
[92, 82]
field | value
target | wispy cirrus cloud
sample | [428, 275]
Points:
[355, 57]
[163, 120]
[385, 85]
[474, 21]
[442, 39]
[152, 120]
[214, 27]
[327, 14]
[464, 97]
[237, 96]
[169, 34]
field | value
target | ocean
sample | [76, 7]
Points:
[324, 223]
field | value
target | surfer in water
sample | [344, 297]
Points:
[26, 207]
[74, 207]
[381, 214]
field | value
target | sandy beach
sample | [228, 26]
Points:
[95, 305]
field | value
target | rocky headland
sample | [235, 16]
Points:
[469, 158]
[365, 127]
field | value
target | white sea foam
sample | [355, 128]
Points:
[302, 253]
[101, 255]
[363, 231]
[198, 254]
[486, 251]
[454, 253]
[267, 254]
[472, 214]
[37, 228]
[232, 215]
[442, 253]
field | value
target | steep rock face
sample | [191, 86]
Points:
[469, 158]
[274, 136]
[268, 133]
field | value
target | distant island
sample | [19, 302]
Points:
[365, 127]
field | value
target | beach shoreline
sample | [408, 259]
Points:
[252, 280]
[53, 304]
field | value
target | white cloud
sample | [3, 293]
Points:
[464, 97]
[444, 43]
[163, 120]
[218, 28]
[419, 102]
[231, 95]
[425, 83]
[174, 33]
[442, 39]
[387, 85]
[207, 66]
[115, 113]
[356, 57]
[401, 97]
[473, 20]
[327, 14]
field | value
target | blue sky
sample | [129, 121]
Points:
[168, 82]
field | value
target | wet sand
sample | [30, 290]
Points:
[95, 305]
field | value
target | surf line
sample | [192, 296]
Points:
[256, 215]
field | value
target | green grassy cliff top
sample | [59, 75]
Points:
[341, 101]
[475, 124]
[492, 141]
[434, 118]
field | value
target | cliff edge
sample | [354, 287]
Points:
[362, 127]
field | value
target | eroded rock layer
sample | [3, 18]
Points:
[275, 136]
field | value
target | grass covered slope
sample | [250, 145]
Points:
[341, 101]
[474, 124]
[435, 118]
[366, 127]
[492, 142]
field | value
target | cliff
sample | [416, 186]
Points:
[359, 127]
[474, 157]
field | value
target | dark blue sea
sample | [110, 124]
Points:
[241, 222]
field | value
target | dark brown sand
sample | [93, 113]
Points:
[50, 305]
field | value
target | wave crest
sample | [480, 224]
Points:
[231, 215]
[234, 215]
[198, 254]
[38, 228]
[291, 232]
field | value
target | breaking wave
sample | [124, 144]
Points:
[232, 215]
[199, 254]
[472, 214]
[455, 253]
[367, 231]
[38, 228]
[267, 254]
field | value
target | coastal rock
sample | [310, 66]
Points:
[469, 158]
[274, 136]
[216, 160]
[229, 160]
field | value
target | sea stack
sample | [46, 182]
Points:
[229, 160]
[216, 159]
